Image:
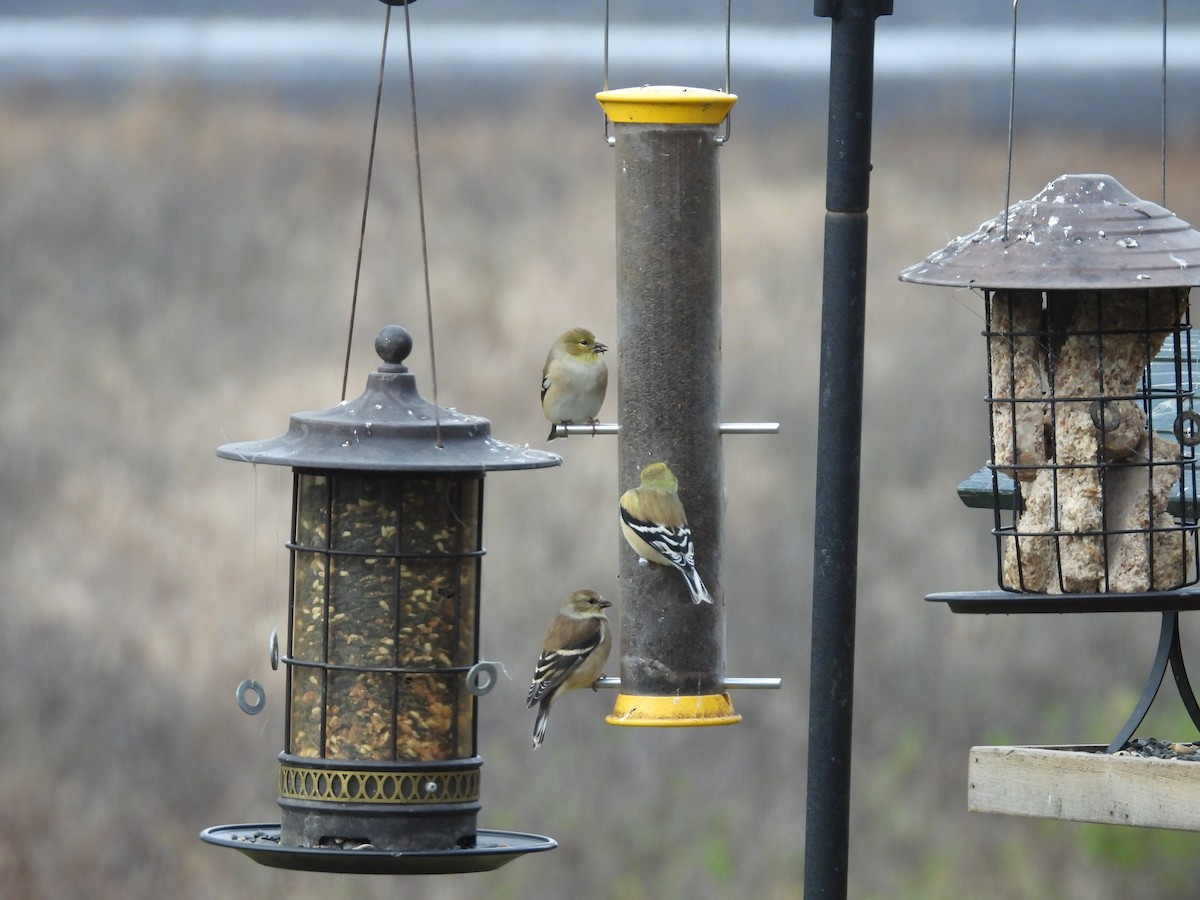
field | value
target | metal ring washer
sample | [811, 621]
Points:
[247, 687]
[481, 678]
[1188, 437]
[1105, 415]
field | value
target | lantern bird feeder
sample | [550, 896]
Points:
[380, 770]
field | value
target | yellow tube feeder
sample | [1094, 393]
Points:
[668, 284]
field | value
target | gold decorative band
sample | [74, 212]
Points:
[358, 786]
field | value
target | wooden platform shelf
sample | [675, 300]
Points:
[1085, 784]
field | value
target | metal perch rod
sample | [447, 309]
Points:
[760, 684]
[611, 428]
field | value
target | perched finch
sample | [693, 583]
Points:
[654, 524]
[574, 380]
[576, 646]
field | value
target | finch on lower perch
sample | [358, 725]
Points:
[574, 651]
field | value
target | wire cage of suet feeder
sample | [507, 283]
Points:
[380, 770]
[1092, 474]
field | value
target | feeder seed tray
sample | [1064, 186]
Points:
[492, 850]
[1084, 784]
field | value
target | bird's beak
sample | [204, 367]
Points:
[605, 604]
[599, 347]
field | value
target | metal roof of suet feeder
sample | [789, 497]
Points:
[380, 771]
[1080, 232]
[668, 311]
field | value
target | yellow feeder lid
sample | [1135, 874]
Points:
[667, 105]
[672, 711]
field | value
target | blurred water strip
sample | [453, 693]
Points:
[50, 47]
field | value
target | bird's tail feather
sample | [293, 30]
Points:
[539, 724]
[700, 593]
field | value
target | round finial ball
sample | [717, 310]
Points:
[393, 344]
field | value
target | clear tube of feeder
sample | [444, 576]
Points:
[668, 252]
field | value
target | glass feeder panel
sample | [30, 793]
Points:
[310, 563]
[1093, 437]
[384, 617]
[361, 624]
[439, 591]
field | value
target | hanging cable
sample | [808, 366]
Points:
[721, 139]
[606, 21]
[362, 228]
[1012, 105]
[412, 91]
[412, 88]
[1163, 159]
[610, 138]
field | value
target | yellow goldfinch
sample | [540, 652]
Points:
[654, 524]
[576, 647]
[574, 379]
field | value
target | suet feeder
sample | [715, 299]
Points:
[666, 141]
[1092, 470]
[380, 769]
[1092, 477]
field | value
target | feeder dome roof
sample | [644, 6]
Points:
[1082, 232]
[390, 428]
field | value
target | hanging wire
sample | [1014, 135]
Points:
[1164, 103]
[1012, 94]
[606, 19]
[721, 139]
[611, 139]
[1012, 105]
[362, 228]
[728, 42]
[412, 88]
[412, 92]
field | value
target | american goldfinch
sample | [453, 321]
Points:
[654, 524]
[574, 379]
[577, 644]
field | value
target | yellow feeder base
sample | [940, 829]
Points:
[672, 712]
[667, 105]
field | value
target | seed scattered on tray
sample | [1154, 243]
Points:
[1154, 748]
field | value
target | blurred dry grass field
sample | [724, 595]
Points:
[175, 272]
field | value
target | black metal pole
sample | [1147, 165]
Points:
[839, 442]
